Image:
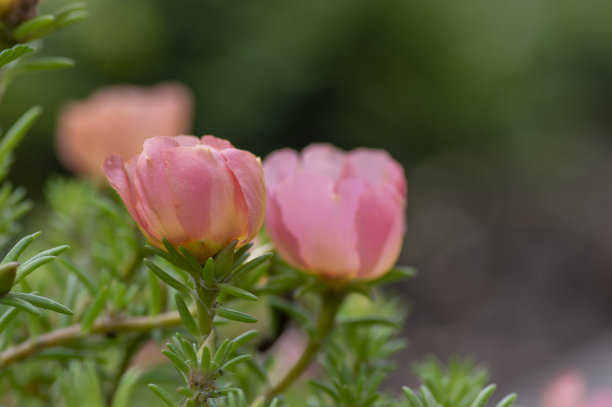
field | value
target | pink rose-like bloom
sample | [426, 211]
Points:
[334, 213]
[201, 194]
[117, 120]
[569, 389]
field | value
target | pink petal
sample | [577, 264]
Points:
[186, 141]
[120, 179]
[114, 170]
[285, 242]
[249, 174]
[279, 165]
[218, 143]
[322, 221]
[380, 226]
[376, 167]
[323, 159]
[151, 184]
[205, 198]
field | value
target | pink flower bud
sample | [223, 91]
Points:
[117, 120]
[199, 194]
[337, 214]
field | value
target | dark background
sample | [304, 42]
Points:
[499, 111]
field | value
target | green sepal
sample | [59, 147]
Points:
[194, 267]
[175, 257]
[241, 253]
[250, 265]
[208, 273]
[224, 260]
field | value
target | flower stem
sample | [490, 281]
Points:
[331, 300]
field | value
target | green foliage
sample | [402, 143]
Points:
[462, 384]
[356, 362]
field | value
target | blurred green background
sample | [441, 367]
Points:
[501, 113]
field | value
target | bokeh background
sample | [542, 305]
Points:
[501, 113]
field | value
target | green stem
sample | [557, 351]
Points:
[331, 300]
[205, 299]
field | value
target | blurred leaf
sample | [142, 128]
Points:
[95, 309]
[43, 64]
[8, 317]
[34, 27]
[16, 133]
[11, 54]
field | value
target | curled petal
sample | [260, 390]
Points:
[249, 175]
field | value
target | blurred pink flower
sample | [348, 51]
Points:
[198, 193]
[336, 214]
[117, 120]
[569, 390]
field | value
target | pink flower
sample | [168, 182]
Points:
[117, 120]
[336, 214]
[199, 194]
[569, 390]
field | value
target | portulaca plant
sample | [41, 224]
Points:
[165, 290]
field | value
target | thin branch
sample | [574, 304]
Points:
[102, 326]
